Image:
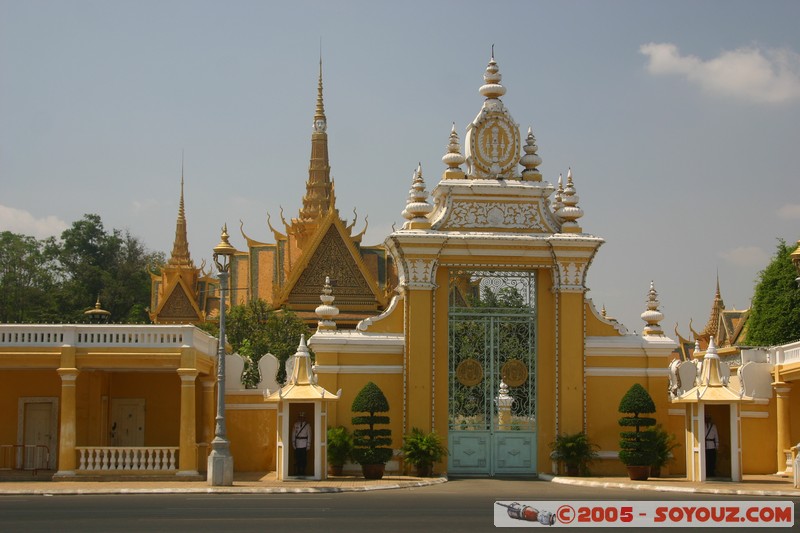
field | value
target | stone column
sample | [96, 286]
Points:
[570, 361]
[187, 460]
[420, 370]
[782, 395]
[67, 461]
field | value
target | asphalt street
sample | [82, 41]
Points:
[462, 505]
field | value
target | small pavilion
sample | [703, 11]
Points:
[301, 394]
[711, 393]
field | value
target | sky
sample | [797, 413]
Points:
[680, 121]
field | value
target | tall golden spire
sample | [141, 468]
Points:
[180, 248]
[319, 189]
[716, 310]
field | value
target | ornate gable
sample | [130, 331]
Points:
[178, 306]
[333, 255]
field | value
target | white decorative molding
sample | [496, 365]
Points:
[621, 329]
[754, 414]
[344, 341]
[367, 322]
[359, 369]
[571, 276]
[612, 371]
[272, 406]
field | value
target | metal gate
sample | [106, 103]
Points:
[492, 339]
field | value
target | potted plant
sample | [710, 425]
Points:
[370, 445]
[664, 444]
[575, 451]
[637, 448]
[340, 446]
[423, 450]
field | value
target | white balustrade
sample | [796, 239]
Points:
[127, 458]
[109, 336]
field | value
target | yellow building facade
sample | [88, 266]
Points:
[472, 318]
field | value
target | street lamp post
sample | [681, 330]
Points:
[220, 460]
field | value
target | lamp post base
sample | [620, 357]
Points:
[220, 469]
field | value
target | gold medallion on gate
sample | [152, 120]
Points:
[469, 372]
[514, 373]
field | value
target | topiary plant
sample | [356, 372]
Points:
[637, 448]
[370, 445]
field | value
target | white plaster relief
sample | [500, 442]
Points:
[494, 215]
[571, 276]
[420, 273]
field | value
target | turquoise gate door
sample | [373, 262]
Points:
[492, 338]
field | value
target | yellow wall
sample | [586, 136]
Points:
[15, 384]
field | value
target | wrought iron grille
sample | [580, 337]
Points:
[492, 335]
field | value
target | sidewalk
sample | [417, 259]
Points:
[751, 485]
[243, 483]
[253, 483]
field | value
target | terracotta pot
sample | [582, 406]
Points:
[335, 470]
[572, 470]
[655, 471]
[638, 473]
[373, 471]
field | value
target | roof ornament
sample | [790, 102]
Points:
[417, 207]
[557, 203]
[570, 212]
[453, 158]
[180, 247]
[531, 160]
[492, 89]
[326, 311]
[652, 316]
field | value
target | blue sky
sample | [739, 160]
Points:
[680, 120]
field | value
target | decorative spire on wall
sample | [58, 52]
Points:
[417, 207]
[453, 158]
[326, 311]
[569, 211]
[652, 316]
[531, 160]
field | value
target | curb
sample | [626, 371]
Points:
[216, 490]
[666, 488]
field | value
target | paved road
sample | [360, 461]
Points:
[464, 505]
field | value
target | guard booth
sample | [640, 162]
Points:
[302, 395]
[709, 393]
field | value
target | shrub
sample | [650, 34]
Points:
[637, 448]
[370, 445]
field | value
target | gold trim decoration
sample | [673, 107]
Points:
[469, 372]
[514, 373]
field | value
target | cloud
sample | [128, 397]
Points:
[21, 221]
[789, 212]
[770, 76]
[148, 205]
[746, 256]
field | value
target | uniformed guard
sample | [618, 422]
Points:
[301, 441]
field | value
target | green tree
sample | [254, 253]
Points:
[27, 279]
[111, 265]
[775, 311]
[255, 328]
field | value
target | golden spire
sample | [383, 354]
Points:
[180, 248]
[318, 197]
[716, 310]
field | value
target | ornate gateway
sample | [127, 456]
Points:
[492, 338]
